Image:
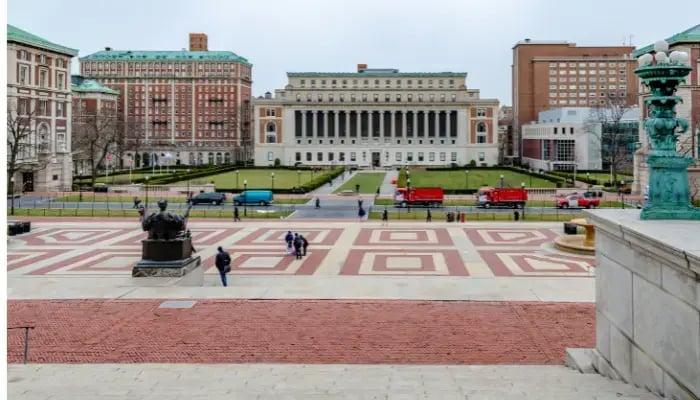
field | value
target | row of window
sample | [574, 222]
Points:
[589, 79]
[42, 59]
[590, 65]
[41, 108]
[585, 87]
[352, 156]
[574, 102]
[582, 94]
[376, 97]
[24, 77]
[388, 83]
[587, 72]
[157, 65]
[480, 139]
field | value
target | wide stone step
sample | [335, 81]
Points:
[317, 381]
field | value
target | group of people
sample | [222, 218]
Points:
[296, 245]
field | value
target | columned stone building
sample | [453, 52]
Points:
[375, 117]
[39, 109]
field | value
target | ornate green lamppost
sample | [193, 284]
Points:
[669, 195]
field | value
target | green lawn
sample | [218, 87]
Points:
[368, 181]
[258, 179]
[440, 216]
[86, 212]
[122, 178]
[457, 179]
[530, 203]
[87, 197]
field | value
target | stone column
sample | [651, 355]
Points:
[347, 123]
[336, 122]
[392, 127]
[370, 125]
[358, 128]
[448, 120]
[403, 124]
[415, 123]
[303, 124]
[314, 124]
[425, 123]
[381, 125]
[325, 124]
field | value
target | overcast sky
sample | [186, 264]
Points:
[280, 36]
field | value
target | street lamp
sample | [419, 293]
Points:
[466, 179]
[298, 178]
[12, 193]
[245, 200]
[237, 179]
[502, 180]
[272, 177]
[188, 183]
[146, 193]
[408, 185]
[80, 187]
[622, 193]
[588, 179]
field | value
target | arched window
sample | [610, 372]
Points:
[191, 158]
[219, 158]
[271, 128]
[271, 133]
[210, 158]
[146, 159]
[200, 158]
[227, 158]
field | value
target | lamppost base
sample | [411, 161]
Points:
[669, 192]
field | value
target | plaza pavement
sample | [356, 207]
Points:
[365, 294]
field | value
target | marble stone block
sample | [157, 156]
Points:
[645, 372]
[614, 293]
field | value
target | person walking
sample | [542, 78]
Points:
[297, 246]
[359, 203]
[429, 217]
[236, 215]
[288, 238]
[137, 201]
[385, 217]
[223, 264]
[361, 213]
[304, 243]
[142, 213]
[318, 202]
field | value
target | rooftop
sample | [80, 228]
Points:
[155, 55]
[17, 35]
[80, 84]
[584, 114]
[378, 73]
[689, 35]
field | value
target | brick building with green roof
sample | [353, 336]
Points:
[688, 143]
[38, 90]
[194, 105]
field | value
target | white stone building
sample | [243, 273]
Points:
[375, 117]
[567, 138]
[39, 92]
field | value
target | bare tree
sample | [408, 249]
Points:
[23, 144]
[615, 134]
[95, 134]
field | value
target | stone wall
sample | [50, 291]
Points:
[648, 302]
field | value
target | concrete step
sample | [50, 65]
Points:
[317, 381]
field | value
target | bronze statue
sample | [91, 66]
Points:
[165, 225]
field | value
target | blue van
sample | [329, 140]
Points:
[261, 197]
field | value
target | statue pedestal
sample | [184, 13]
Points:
[669, 194]
[166, 258]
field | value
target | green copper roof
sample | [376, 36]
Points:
[381, 73]
[691, 35]
[80, 84]
[148, 55]
[17, 35]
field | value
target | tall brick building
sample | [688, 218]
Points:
[552, 74]
[193, 105]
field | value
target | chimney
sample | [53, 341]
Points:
[527, 40]
[361, 67]
[198, 42]
[268, 95]
[108, 49]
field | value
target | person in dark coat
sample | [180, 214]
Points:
[289, 238]
[298, 243]
[429, 217]
[236, 216]
[385, 217]
[304, 243]
[223, 259]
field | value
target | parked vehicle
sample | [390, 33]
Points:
[427, 196]
[214, 198]
[502, 197]
[260, 197]
[577, 201]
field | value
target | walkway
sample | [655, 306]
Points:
[309, 382]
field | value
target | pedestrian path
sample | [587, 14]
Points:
[310, 382]
[388, 188]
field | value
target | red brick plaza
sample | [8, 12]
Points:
[108, 328]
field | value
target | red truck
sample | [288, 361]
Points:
[427, 196]
[502, 197]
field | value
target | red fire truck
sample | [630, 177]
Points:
[502, 197]
[426, 196]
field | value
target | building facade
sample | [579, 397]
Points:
[577, 138]
[375, 117]
[193, 105]
[689, 108]
[550, 74]
[39, 111]
[95, 123]
[506, 139]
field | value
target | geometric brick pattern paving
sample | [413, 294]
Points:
[336, 249]
[299, 331]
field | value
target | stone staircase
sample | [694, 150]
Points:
[316, 381]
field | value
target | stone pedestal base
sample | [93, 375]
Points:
[669, 193]
[166, 250]
[168, 269]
